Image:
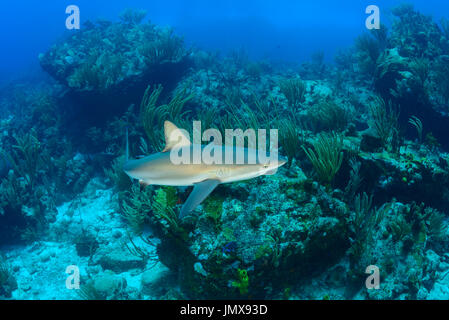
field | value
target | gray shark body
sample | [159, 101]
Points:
[159, 169]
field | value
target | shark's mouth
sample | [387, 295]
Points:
[271, 172]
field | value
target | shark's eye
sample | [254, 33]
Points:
[266, 165]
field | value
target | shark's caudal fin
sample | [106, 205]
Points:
[174, 136]
[199, 193]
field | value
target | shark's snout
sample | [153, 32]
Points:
[282, 161]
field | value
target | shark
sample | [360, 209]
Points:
[159, 168]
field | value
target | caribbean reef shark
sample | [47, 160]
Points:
[160, 169]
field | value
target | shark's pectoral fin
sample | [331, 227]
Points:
[199, 193]
[174, 137]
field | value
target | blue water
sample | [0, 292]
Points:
[283, 29]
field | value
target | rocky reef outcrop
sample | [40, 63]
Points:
[106, 66]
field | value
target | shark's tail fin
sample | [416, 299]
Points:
[127, 146]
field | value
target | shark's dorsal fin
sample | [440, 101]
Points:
[174, 137]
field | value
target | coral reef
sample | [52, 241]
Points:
[106, 66]
[367, 180]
